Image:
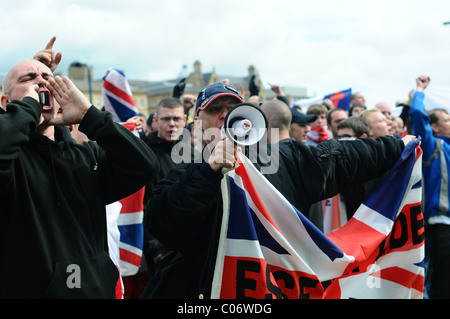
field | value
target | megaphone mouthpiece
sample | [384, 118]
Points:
[241, 127]
[245, 124]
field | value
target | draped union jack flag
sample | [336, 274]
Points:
[268, 249]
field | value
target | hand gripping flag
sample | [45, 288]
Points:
[117, 96]
[268, 249]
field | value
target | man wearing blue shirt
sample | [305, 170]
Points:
[434, 128]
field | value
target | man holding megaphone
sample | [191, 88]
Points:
[213, 104]
[185, 210]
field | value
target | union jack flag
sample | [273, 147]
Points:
[131, 228]
[126, 232]
[130, 223]
[117, 96]
[268, 249]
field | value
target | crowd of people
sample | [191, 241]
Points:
[63, 160]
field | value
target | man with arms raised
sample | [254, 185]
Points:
[53, 192]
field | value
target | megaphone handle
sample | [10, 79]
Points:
[225, 170]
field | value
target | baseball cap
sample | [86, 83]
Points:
[151, 118]
[299, 117]
[208, 94]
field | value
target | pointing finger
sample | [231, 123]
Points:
[50, 43]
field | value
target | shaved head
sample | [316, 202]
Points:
[21, 76]
[278, 114]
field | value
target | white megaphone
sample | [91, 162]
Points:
[245, 124]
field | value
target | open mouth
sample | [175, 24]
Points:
[172, 133]
[45, 98]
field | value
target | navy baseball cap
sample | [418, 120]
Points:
[150, 118]
[299, 117]
[208, 94]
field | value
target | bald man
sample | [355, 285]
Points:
[53, 191]
[279, 118]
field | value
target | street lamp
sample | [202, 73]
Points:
[79, 65]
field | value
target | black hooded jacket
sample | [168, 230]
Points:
[53, 237]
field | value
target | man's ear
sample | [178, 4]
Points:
[435, 128]
[5, 100]
[363, 135]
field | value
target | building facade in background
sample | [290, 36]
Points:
[147, 94]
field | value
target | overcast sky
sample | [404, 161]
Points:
[375, 47]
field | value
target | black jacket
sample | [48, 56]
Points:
[302, 195]
[163, 152]
[52, 202]
[185, 209]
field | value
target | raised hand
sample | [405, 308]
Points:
[32, 91]
[422, 82]
[74, 104]
[223, 155]
[48, 56]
